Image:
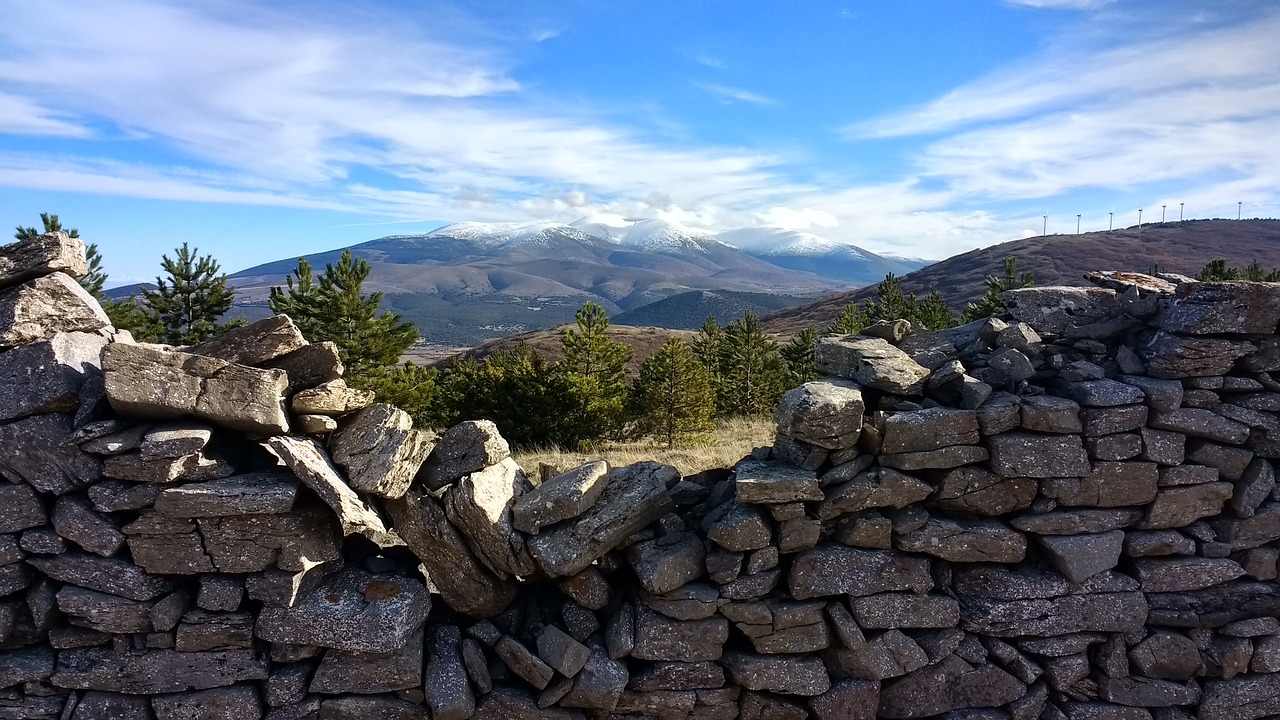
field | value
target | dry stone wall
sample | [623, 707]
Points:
[1066, 513]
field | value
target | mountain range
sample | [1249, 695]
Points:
[470, 281]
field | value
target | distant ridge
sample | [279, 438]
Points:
[1181, 247]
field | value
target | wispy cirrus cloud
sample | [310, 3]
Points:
[1062, 4]
[728, 94]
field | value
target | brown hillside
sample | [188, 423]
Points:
[1183, 247]
[643, 341]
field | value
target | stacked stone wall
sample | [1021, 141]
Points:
[1067, 512]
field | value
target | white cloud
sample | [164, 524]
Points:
[802, 219]
[726, 94]
[1062, 4]
[20, 116]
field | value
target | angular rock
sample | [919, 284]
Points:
[929, 429]
[115, 576]
[238, 702]
[1110, 420]
[1024, 454]
[462, 450]
[1166, 655]
[155, 671]
[480, 506]
[600, 684]
[254, 344]
[103, 612]
[1071, 522]
[876, 487]
[1177, 507]
[380, 450]
[1159, 575]
[40, 308]
[99, 706]
[826, 413]
[941, 459]
[1215, 308]
[28, 665]
[869, 362]
[309, 365]
[1198, 422]
[197, 466]
[1046, 413]
[966, 541]
[524, 663]
[634, 496]
[949, 685]
[367, 707]
[564, 654]
[1172, 356]
[448, 693]
[1052, 310]
[75, 519]
[1119, 612]
[902, 610]
[463, 582]
[1256, 484]
[830, 569]
[510, 704]
[308, 460]
[977, 491]
[314, 424]
[791, 675]
[563, 497]
[661, 638]
[1245, 697]
[1079, 557]
[333, 398]
[220, 592]
[1102, 393]
[155, 383]
[201, 630]
[737, 527]
[764, 482]
[46, 376]
[1163, 447]
[248, 494]
[175, 439]
[292, 541]
[41, 255]
[23, 508]
[890, 655]
[1111, 484]
[669, 562]
[343, 671]
[352, 610]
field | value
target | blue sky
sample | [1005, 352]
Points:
[917, 127]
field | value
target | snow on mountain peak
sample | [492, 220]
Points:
[663, 236]
[495, 235]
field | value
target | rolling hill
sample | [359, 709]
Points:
[1180, 247]
[689, 310]
[643, 341]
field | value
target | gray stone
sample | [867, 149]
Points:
[891, 654]
[122, 440]
[1183, 475]
[634, 496]
[1004, 603]
[1177, 507]
[23, 508]
[1166, 655]
[1024, 454]
[201, 630]
[380, 450]
[284, 588]
[254, 344]
[114, 495]
[175, 439]
[1046, 413]
[1213, 308]
[766, 482]
[95, 705]
[1163, 447]
[929, 429]
[940, 459]
[463, 582]
[448, 693]
[1255, 485]
[826, 413]
[851, 699]
[251, 543]
[309, 365]
[1111, 484]
[1001, 413]
[1071, 522]
[76, 520]
[476, 665]
[1179, 356]
[343, 671]
[588, 588]
[665, 564]
[1230, 461]
[247, 494]
[790, 675]
[1110, 420]
[1102, 393]
[737, 527]
[41, 255]
[238, 702]
[1120, 446]
[759, 706]
[904, 610]
[563, 497]
[27, 665]
[308, 460]
[34, 450]
[870, 362]
[197, 466]
[511, 704]
[1183, 574]
[658, 637]
[462, 450]
[560, 651]
[830, 569]
[950, 685]
[1245, 697]
[46, 377]
[1012, 363]
[1161, 395]
[352, 610]
[155, 383]
[1055, 310]
[480, 506]
[977, 491]
[959, 540]
[40, 308]
[155, 671]
[370, 707]
[115, 576]
[314, 424]
[220, 592]
[876, 487]
[524, 663]
[1079, 557]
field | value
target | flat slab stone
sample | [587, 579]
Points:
[343, 671]
[1053, 310]
[831, 569]
[116, 576]
[40, 308]
[634, 496]
[949, 685]
[1198, 422]
[308, 460]
[666, 639]
[1159, 575]
[36, 451]
[563, 497]
[1171, 356]
[42, 255]
[977, 491]
[1072, 522]
[448, 692]
[826, 413]
[352, 610]
[873, 488]
[966, 541]
[787, 674]
[46, 376]
[254, 344]
[309, 365]
[1111, 484]
[905, 610]
[1024, 454]
[155, 671]
[463, 582]
[248, 494]
[765, 482]
[1216, 308]
[1244, 697]
[941, 459]
[380, 450]
[153, 383]
[334, 398]
[175, 439]
[238, 702]
[75, 519]
[928, 429]
[1079, 557]
[869, 362]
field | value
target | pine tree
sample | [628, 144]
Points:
[673, 397]
[368, 342]
[890, 302]
[798, 355]
[411, 388]
[850, 321]
[990, 303]
[933, 313]
[516, 389]
[594, 367]
[300, 301]
[138, 319]
[93, 280]
[754, 373]
[51, 224]
[1255, 273]
[1218, 270]
[193, 298]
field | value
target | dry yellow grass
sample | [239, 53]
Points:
[731, 441]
